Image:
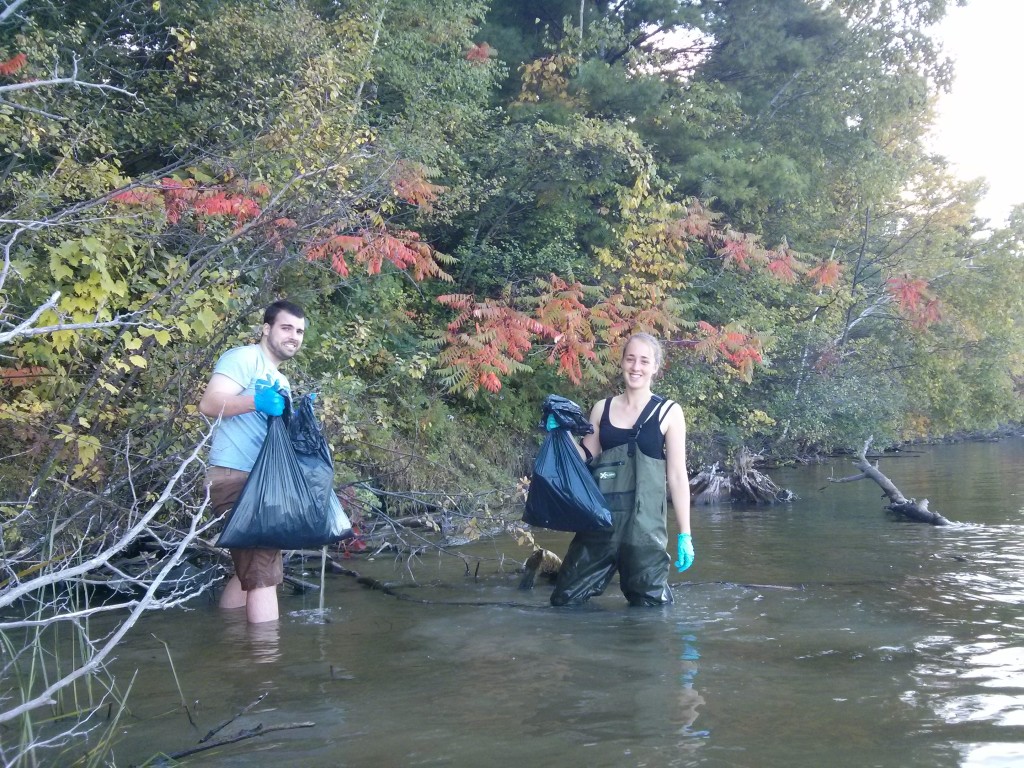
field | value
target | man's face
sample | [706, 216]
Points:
[283, 339]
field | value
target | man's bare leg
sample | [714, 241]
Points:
[261, 605]
[233, 595]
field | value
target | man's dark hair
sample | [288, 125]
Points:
[271, 313]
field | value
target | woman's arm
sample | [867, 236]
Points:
[592, 442]
[675, 459]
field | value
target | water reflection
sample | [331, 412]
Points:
[255, 643]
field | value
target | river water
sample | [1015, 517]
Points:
[819, 633]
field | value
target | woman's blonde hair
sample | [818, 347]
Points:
[650, 341]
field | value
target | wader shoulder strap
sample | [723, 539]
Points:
[666, 406]
[645, 414]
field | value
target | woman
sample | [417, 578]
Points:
[638, 445]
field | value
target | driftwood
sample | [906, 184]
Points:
[543, 562]
[910, 508]
[745, 484]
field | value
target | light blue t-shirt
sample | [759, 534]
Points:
[238, 439]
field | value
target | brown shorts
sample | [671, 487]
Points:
[255, 568]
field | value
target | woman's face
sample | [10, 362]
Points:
[639, 364]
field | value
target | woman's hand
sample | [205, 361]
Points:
[684, 552]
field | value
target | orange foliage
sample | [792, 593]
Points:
[225, 204]
[368, 248]
[411, 185]
[908, 292]
[611, 317]
[783, 265]
[479, 53]
[135, 197]
[371, 248]
[589, 328]
[825, 274]
[915, 301]
[930, 312]
[740, 349]
[486, 339]
[21, 377]
[699, 221]
[13, 64]
[181, 196]
[738, 249]
[562, 306]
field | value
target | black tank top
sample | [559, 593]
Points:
[650, 441]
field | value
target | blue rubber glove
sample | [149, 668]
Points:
[267, 399]
[684, 550]
[551, 423]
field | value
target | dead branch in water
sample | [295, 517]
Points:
[249, 733]
[915, 510]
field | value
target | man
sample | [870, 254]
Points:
[243, 392]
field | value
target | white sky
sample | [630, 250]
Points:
[979, 124]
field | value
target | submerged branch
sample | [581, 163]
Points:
[250, 733]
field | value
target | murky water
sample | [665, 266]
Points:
[822, 633]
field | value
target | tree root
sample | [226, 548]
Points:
[745, 484]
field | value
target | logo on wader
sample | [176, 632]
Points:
[606, 475]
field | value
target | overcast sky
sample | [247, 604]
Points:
[980, 122]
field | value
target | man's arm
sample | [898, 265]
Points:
[223, 397]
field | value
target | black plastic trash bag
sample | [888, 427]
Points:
[288, 501]
[563, 496]
[567, 414]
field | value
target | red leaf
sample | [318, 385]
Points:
[134, 197]
[479, 53]
[13, 64]
[782, 266]
[411, 185]
[21, 377]
[825, 274]
[907, 292]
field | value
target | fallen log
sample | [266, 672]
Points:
[898, 503]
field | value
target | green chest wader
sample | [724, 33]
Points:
[633, 484]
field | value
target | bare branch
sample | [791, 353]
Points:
[72, 80]
[120, 321]
[24, 328]
[64, 574]
[33, 110]
[145, 603]
[10, 9]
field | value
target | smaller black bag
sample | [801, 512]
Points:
[563, 495]
[567, 414]
[288, 501]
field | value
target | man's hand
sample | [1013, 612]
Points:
[267, 399]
